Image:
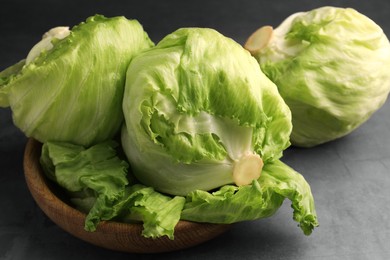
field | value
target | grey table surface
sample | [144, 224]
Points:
[349, 177]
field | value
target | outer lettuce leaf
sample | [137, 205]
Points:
[331, 67]
[96, 181]
[159, 213]
[262, 199]
[96, 172]
[73, 92]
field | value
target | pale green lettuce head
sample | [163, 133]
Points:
[70, 87]
[196, 105]
[331, 66]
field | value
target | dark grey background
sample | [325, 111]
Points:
[350, 177]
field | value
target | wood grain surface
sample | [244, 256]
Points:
[111, 235]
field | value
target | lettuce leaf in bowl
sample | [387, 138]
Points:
[96, 182]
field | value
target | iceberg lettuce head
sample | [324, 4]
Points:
[198, 111]
[331, 66]
[70, 86]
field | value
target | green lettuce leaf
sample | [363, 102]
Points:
[96, 182]
[261, 199]
[96, 172]
[159, 213]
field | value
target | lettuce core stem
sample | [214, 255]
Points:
[259, 39]
[247, 169]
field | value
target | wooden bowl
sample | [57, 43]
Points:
[109, 234]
